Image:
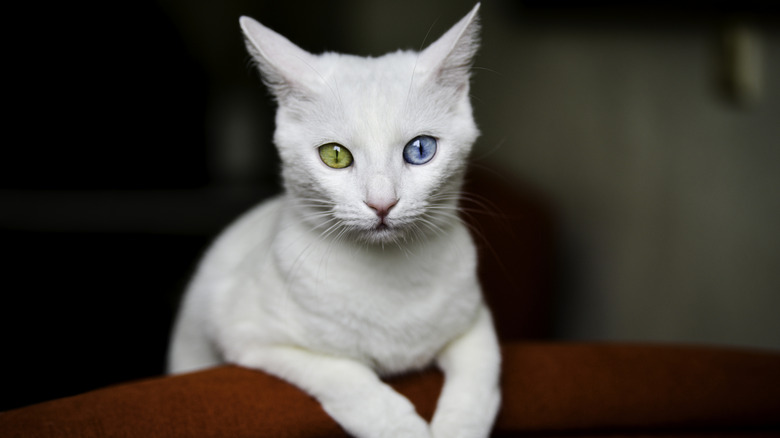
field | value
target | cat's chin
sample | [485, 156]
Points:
[383, 234]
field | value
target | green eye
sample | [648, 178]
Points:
[335, 156]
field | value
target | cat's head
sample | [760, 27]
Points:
[372, 148]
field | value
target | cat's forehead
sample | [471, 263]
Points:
[350, 71]
[374, 93]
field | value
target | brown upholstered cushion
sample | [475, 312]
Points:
[549, 390]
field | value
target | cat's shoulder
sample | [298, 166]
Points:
[256, 227]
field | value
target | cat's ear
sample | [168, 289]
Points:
[285, 68]
[449, 58]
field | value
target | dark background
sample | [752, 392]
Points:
[107, 197]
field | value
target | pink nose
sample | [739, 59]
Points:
[382, 209]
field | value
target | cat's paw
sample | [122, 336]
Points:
[386, 414]
[466, 419]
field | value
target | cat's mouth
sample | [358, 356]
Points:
[382, 232]
[378, 230]
[382, 223]
[382, 226]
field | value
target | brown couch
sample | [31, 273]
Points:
[549, 389]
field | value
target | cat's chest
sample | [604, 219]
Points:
[391, 334]
[394, 312]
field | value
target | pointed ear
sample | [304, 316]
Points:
[449, 58]
[284, 67]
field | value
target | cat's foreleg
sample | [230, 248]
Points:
[350, 392]
[471, 396]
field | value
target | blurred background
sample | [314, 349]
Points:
[135, 131]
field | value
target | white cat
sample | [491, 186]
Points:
[362, 267]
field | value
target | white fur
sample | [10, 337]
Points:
[308, 286]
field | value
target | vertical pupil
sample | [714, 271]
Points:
[336, 150]
[420, 146]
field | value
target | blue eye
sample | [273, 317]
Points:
[420, 150]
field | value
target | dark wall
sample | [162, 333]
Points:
[104, 106]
